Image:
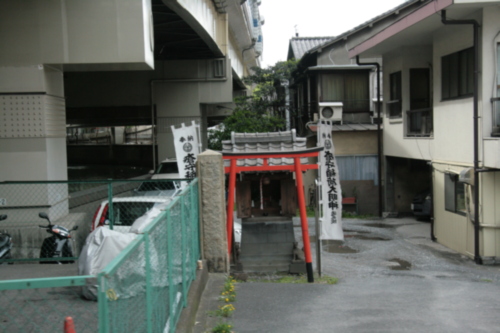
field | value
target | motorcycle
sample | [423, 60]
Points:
[58, 245]
[5, 244]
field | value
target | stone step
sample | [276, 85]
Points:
[256, 268]
[266, 258]
[265, 249]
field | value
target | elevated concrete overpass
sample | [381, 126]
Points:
[103, 62]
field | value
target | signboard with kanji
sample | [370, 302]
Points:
[187, 147]
[331, 194]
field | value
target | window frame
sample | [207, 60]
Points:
[457, 190]
[395, 102]
[450, 67]
[344, 75]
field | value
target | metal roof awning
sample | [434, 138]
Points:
[414, 29]
[345, 127]
[338, 67]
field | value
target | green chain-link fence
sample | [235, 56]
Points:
[142, 290]
[117, 203]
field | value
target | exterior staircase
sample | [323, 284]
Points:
[267, 244]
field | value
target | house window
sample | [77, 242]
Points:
[362, 167]
[349, 87]
[394, 104]
[457, 74]
[454, 194]
[419, 118]
[496, 101]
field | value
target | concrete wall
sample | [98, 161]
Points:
[177, 88]
[355, 143]
[71, 32]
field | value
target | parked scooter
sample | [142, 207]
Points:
[58, 245]
[5, 244]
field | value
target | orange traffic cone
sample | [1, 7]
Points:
[69, 326]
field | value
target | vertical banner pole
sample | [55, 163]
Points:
[230, 204]
[303, 219]
[317, 191]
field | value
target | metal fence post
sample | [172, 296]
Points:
[111, 213]
[102, 301]
[192, 261]
[183, 250]
[171, 319]
[195, 237]
[149, 298]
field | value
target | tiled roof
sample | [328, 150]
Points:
[264, 142]
[300, 45]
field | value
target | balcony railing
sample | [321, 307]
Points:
[419, 123]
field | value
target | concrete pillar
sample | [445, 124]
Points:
[33, 138]
[213, 211]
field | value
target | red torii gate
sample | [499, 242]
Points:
[297, 167]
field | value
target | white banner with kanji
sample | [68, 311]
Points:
[330, 191]
[187, 147]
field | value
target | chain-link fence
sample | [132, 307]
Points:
[142, 290]
[43, 221]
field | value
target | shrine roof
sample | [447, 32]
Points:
[264, 142]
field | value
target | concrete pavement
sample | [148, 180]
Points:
[392, 278]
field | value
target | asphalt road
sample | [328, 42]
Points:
[392, 278]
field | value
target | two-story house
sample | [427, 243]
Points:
[327, 78]
[441, 118]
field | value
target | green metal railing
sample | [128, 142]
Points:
[143, 289]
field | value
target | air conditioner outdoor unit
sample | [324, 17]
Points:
[467, 176]
[331, 111]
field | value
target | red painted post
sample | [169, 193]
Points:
[230, 204]
[303, 219]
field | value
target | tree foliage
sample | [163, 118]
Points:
[260, 112]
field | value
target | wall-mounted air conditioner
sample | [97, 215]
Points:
[467, 176]
[331, 111]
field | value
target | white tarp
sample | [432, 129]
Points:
[331, 194]
[187, 147]
[101, 247]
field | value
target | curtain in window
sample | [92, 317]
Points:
[332, 87]
[356, 92]
[358, 167]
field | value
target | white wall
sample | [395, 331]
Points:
[489, 38]
[395, 142]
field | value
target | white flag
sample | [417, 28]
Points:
[331, 193]
[187, 147]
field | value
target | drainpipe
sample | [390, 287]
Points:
[477, 257]
[379, 133]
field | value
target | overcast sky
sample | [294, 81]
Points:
[312, 18]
